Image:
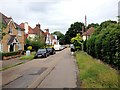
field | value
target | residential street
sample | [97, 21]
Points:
[55, 71]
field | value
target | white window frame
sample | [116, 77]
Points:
[19, 32]
[19, 46]
[1, 47]
[10, 29]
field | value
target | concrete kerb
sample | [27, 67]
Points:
[40, 78]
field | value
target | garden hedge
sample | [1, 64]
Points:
[104, 44]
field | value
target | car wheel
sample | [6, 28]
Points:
[35, 57]
[45, 55]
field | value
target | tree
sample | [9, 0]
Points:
[2, 33]
[58, 33]
[95, 25]
[36, 43]
[77, 41]
[73, 31]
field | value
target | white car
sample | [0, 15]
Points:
[57, 47]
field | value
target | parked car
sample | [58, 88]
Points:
[51, 50]
[62, 47]
[42, 53]
[57, 47]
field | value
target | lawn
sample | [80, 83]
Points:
[29, 57]
[95, 74]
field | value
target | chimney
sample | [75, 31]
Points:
[26, 27]
[38, 25]
[47, 30]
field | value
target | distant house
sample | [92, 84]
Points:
[88, 33]
[48, 37]
[39, 32]
[14, 38]
[31, 33]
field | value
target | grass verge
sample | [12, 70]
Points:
[5, 68]
[30, 57]
[94, 74]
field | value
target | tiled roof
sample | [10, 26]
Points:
[18, 26]
[37, 30]
[30, 30]
[88, 32]
[5, 19]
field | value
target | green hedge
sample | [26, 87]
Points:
[10, 53]
[104, 44]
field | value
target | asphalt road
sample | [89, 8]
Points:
[55, 71]
[64, 74]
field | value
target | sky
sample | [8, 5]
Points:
[58, 15]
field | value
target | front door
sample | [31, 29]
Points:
[11, 48]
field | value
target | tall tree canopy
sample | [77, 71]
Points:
[95, 25]
[77, 41]
[58, 33]
[73, 31]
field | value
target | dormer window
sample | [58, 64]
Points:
[10, 30]
[19, 32]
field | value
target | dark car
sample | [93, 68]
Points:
[42, 53]
[51, 50]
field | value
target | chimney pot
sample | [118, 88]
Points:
[38, 25]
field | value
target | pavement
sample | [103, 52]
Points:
[11, 62]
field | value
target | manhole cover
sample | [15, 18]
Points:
[38, 72]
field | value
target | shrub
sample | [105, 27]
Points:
[29, 48]
[11, 53]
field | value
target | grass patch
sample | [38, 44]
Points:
[30, 57]
[94, 74]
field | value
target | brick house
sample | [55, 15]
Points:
[14, 38]
[39, 32]
[31, 33]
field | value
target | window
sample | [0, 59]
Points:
[1, 47]
[10, 30]
[19, 47]
[19, 32]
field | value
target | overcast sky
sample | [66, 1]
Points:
[59, 14]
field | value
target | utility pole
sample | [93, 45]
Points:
[119, 11]
[85, 21]
[86, 26]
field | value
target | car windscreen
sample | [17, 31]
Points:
[49, 49]
[42, 50]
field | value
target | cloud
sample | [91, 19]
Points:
[59, 14]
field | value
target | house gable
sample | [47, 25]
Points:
[11, 21]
